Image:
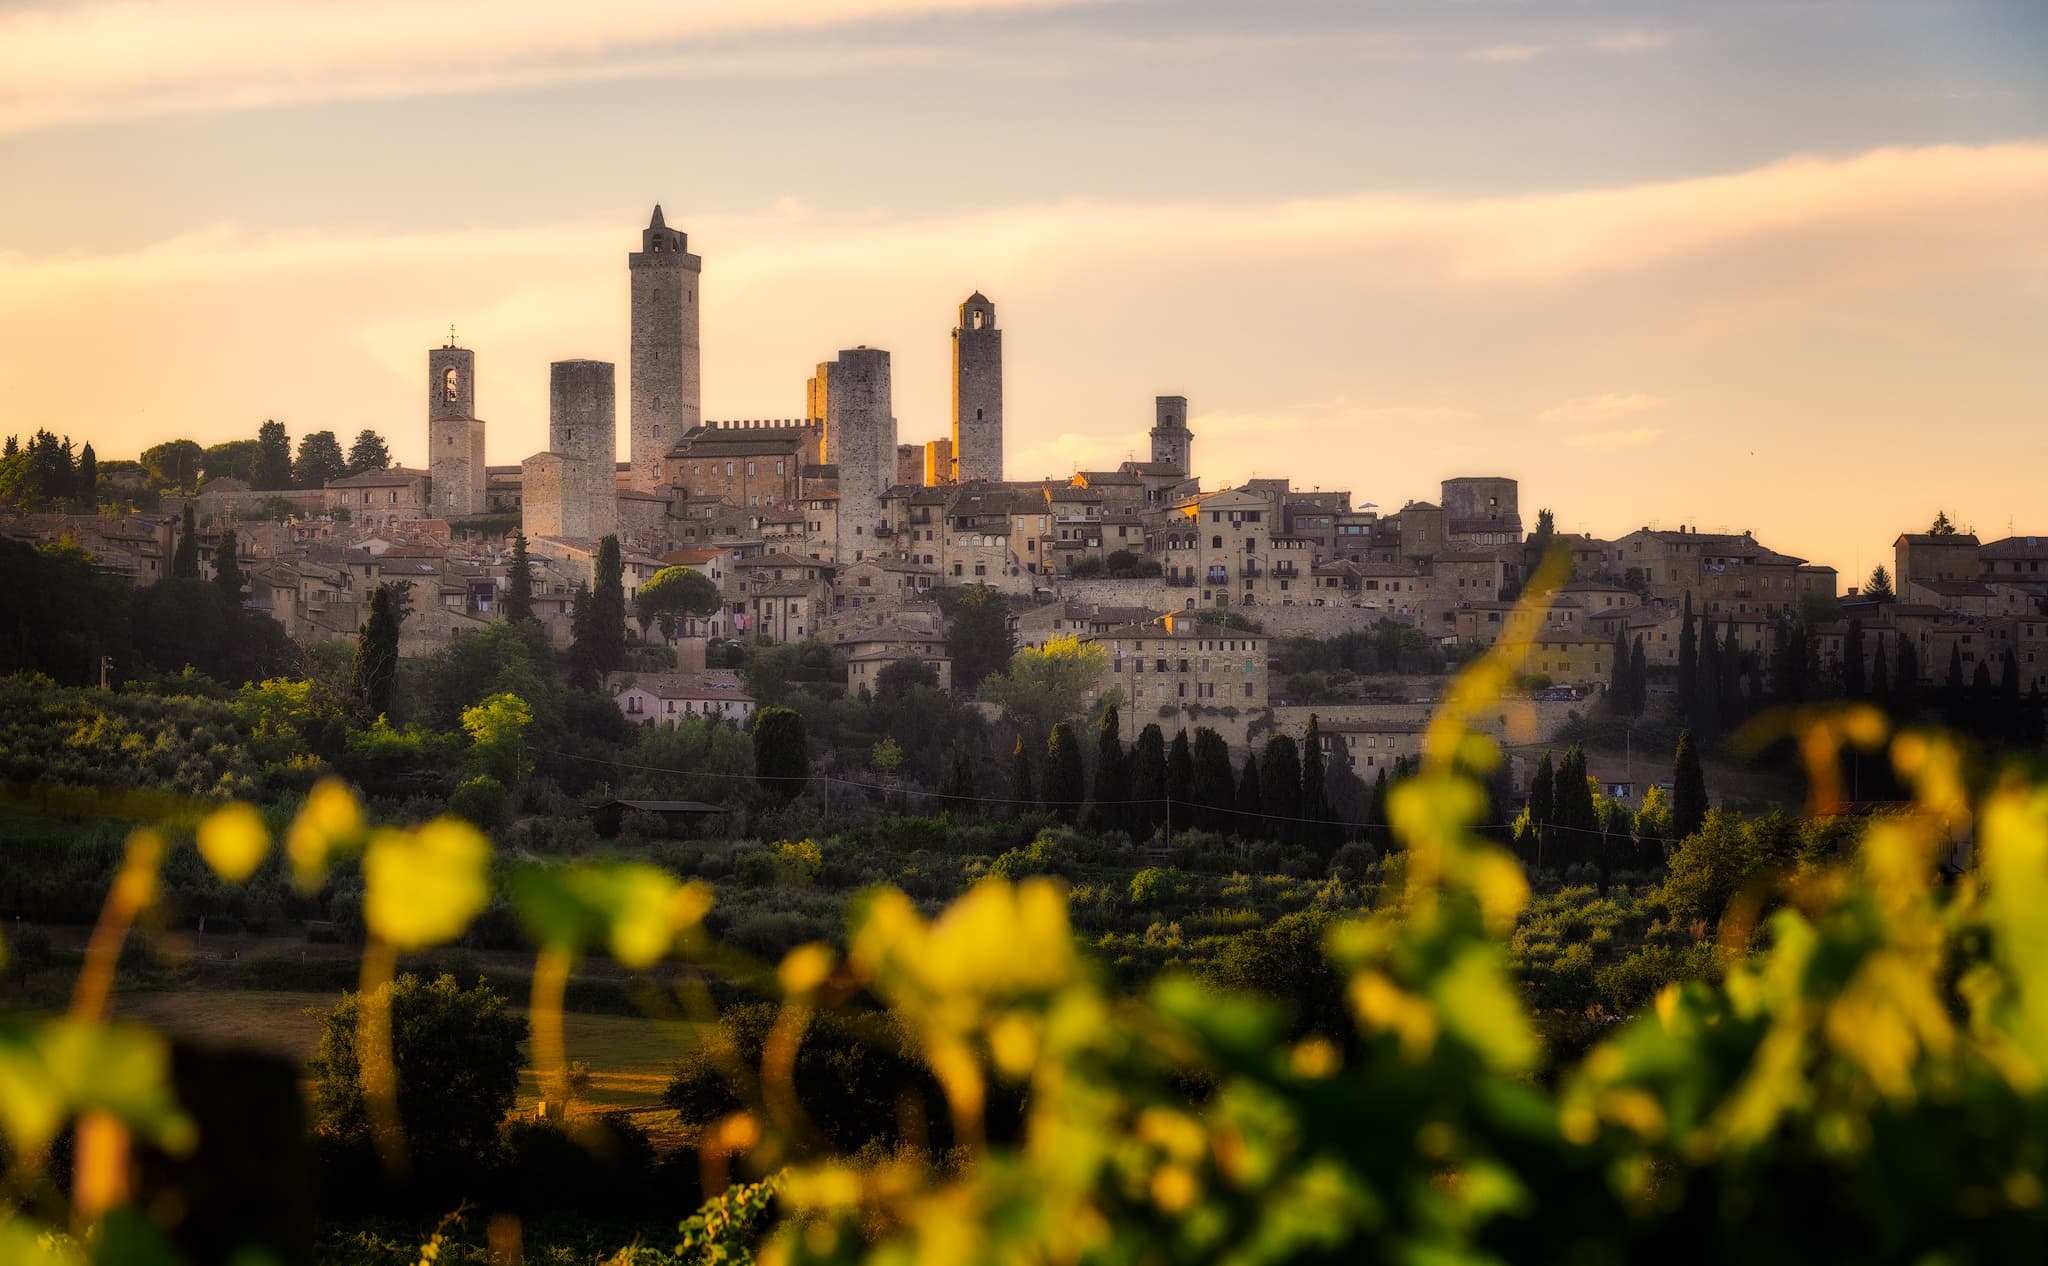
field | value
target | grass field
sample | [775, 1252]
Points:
[630, 1057]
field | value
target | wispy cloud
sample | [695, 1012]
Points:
[1500, 54]
[1603, 408]
[116, 59]
[1631, 437]
[1633, 41]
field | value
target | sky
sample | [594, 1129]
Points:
[1762, 264]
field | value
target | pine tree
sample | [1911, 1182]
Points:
[1879, 585]
[1110, 806]
[1688, 789]
[1688, 665]
[376, 665]
[185, 560]
[518, 581]
[1023, 791]
[1941, 525]
[272, 470]
[1853, 684]
[1321, 831]
[1280, 788]
[1180, 783]
[227, 569]
[1065, 783]
[1148, 783]
[368, 453]
[1251, 801]
[1639, 679]
[1215, 782]
[85, 483]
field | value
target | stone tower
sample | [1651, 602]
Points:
[667, 385]
[583, 429]
[455, 438]
[1172, 443]
[862, 426]
[977, 392]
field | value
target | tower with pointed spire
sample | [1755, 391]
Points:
[455, 436]
[977, 392]
[666, 383]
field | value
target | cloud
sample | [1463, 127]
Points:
[1633, 41]
[1606, 408]
[1501, 54]
[123, 58]
[1633, 437]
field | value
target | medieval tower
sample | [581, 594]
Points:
[977, 392]
[862, 427]
[455, 438]
[571, 489]
[1173, 445]
[667, 384]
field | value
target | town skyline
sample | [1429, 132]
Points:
[1688, 317]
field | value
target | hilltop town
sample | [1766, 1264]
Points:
[832, 526]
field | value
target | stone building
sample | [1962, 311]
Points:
[977, 392]
[755, 462]
[938, 463]
[1177, 665]
[380, 498]
[455, 436]
[667, 381]
[860, 428]
[1482, 510]
[910, 465]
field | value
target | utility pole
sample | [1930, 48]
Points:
[106, 661]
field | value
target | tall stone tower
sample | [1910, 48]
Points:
[583, 428]
[862, 425]
[667, 384]
[1172, 443]
[455, 438]
[977, 392]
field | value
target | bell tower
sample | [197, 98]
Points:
[977, 392]
[1172, 443]
[455, 436]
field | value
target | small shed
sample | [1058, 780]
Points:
[680, 817]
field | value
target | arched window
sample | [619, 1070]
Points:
[451, 386]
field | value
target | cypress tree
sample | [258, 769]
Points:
[2010, 728]
[1906, 680]
[1542, 802]
[376, 663]
[1215, 782]
[1065, 783]
[1706, 715]
[227, 569]
[1688, 665]
[1639, 679]
[1730, 705]
[1109, 808]
[1621, 691]
[185, 559]
[1982, 711]
[1280, 788]
[1023, 793]
[1376, 814]
[85, 484]
[782, 754]
[582, 636]
[1180, 783]
[1148, 782]
[1321, 831]
[1688, 790]
[1879, 686]
[608, 608]
[959, 784]
[519, 582]
[1251, 801]
[1853, 684]
[2033, 721]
